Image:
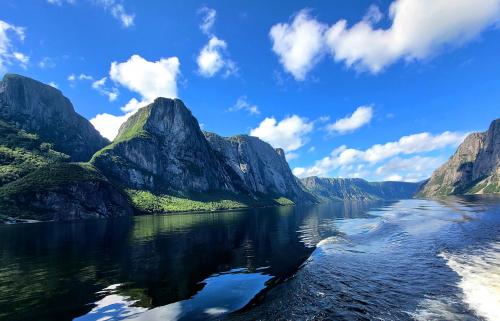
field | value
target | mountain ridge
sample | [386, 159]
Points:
[473, 169]
[358, 189]
[36, 107]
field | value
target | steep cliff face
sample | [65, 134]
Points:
[161, 148]
[43, 110]
[62, 192]
[358, 189]
[473, 169]
[261, 168]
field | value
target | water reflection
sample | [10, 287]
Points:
[174, 267]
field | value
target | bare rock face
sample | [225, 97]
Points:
[473, 169]
[161, 148]
[358, 189]
[262, 168]
[41, 109]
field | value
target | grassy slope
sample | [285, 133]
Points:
[29, 165]
[147, 202]
[51, 177]
[22, 152]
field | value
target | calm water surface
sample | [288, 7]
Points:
[405, 260]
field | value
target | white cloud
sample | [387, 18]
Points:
[289, 134]
[100, 86]
[46, 63]
[419, 29]
[290, 156]
[213, 56]
[118, 11]
[299, 45]
[208, 20]
[394, 178]
[108, 125]
[411, 144]
[21, 58]
[85, 77]
[360, 117]
[416, 168]
[343, 157]
[114, 7]
[243, 104]
[149, 79]
[8, 53]
[60, 2]
[53, 84]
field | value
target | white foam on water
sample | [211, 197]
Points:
[480, 279]
[438, 309]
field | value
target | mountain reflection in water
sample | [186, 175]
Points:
[412, 259]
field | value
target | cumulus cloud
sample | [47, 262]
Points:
[411, 169]
[213, 57]
[299, 45]
[149, 79]
[243, 104]
[8, 52]
[289, 133]
[418, 29]
[360, 117]
[343, 157]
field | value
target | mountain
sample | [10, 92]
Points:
[262, 168]
[43, 110]
[161, 148]
[166, 163]
[473, 169]
[358, 189]
[22, 152]
[62, 191]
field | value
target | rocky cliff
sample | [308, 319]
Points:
[62, 192]
[358, 189]
[473, 169]
[262, 168]
[43, 110]
[162, 149]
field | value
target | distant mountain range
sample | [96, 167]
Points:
[55, 166]
[358, 189]
[473, 169]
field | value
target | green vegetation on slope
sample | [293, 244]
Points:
[132, 128]
[147, 202]
[22, 152]
[48, 178]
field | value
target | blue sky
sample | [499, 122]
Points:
[372, 89]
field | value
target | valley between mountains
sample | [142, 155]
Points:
[55, 166]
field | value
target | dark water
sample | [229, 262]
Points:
[413, 259]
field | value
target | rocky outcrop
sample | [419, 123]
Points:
[62, 192]
[43, 110]
[473, 169]
[262, 168]
[161, 148]
[358, 189]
